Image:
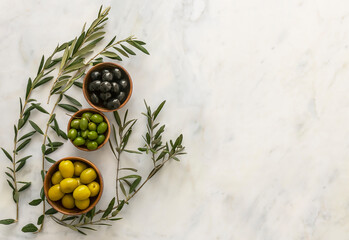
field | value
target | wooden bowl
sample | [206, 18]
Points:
[57, 204]
[99, 67]
[79, 114]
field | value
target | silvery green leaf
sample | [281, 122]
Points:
[65, 57]
[129, 51]
[111, 42]
[95, 36]
[111, 55]
[121, 51]
[139, 47]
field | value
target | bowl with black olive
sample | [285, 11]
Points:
[107, 87]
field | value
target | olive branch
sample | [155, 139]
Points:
[20, 142]
[73, 65]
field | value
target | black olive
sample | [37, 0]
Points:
[107, 77]
[121, 96]
[95, 75]
[105, 71]
[117, 73]
[94, 86]
[123, 83]
[115, 87]
[113, 103]
[94, 98]
[105, 87]
[105, 96]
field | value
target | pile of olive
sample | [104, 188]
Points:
[74, 184]
[89, 130]
[108, 88]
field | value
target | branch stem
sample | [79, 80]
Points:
[43, 155]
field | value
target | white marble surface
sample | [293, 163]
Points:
[259, 89]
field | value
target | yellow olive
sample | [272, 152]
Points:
[82, 192]
[82, 204]
[68, 201]
[55, 193]
[79, 167]
[88, 175]
[66, 168]
[78, 179]
[94, 188]
[56, 178]
[68, 185]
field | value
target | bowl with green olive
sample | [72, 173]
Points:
[88, 129]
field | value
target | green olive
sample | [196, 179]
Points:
[84, 134]
[92, 126]
[92, 135]
[75, 124]
[100, 139]
[102, 127]
[87, 115]
[92, 145]
[79, 141]
[72, 134]
[79, 133]
[96, 118]
[83, 123]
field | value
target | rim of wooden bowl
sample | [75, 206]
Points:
[57, 204]
[78, 114]
[87, 80]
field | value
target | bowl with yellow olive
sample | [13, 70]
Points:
[88, 129]
[73, 185]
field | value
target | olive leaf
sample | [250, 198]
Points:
[51, 211]
[41, 64]
[7, 221]
[7, 154]
[109, 208]
[139, 47]
[111, 55]
[43, 81]
[22, 145]
[129, 51]
[73, 100]
[40, 219]
[29, 228]
[29, 86]
[29, 134]
[25, 186]
[68, 107]
[35, 202]
[36, 127]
